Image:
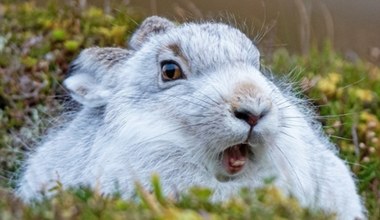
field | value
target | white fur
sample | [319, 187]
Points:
[86, 91]
[178, 129]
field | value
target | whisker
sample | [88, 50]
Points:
[208, 97]
[198, 104]
[332, 126]
[170, 131]
[282, 132]
[199, 115]
[202, 100]
[213, 87]
[292, 168]
[341, 138]
[335, 116]
[354, 83]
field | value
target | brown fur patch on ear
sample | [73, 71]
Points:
[151, 26]
[94, 58]
[109, 56]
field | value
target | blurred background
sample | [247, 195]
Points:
[351, 26]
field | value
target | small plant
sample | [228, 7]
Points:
[83, 203]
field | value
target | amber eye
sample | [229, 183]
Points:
[171, 71]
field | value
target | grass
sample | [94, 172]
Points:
[36, 46]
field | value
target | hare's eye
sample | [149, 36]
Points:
[170, 71]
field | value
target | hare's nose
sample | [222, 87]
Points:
[247, 116]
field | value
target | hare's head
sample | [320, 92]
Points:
[200, 84]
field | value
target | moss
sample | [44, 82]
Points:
[71, 45]
[58, 34]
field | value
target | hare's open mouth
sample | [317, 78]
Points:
[235, 158]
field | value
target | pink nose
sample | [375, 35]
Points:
[247, 116]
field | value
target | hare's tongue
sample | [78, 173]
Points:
[234, 158]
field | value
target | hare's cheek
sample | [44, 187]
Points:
[269, 126]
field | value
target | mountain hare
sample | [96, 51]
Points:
[190, 103]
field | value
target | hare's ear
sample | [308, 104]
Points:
[86, 90]
[151, 26]
[92, 75]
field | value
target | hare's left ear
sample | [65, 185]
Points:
[151, 26]
[91, 75]
[86, 90]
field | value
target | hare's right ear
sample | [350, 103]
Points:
[151, 26]
[91, 75]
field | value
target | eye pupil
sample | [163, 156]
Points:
[171, 71]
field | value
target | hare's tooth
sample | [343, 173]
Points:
[238, 163]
